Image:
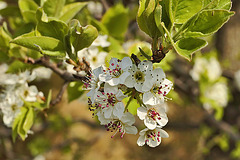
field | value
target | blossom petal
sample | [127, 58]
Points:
[108, 112]
[125, 63]
[155, 143]
[150, 99]
[163, 121]
[118, 110]
[163, 133]
[141, 140]
[131, 130]
[142, 112]
[110, 89]
[145, 66]
[129, 82]
[113, 63]
[150, 124]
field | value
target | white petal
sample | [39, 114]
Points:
[142, 112]
[158, 74]
[141, 140]
[110, 89]
[125, 63]
[120, 96]
[123, 77]
[163, 121]
[98, 71]
[155, 143]
[113, 81]
[108, 112]
[150, 124]
[113, 63]
[138, 87]
[163, 133]
[128, 118]
[118, 110]
[150, 99]
[142, 132]
[129, 82]
[145, 66]
[131, 130]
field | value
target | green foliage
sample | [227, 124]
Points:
[70, 10]
[53, 8]
[45, 45]
[146, 18]
[74, 91]
[81, 37]
[50, 27]
[28, 9]
[116, 21]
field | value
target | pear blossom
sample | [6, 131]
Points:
[211, 67]
[160, 88]
[153, 115]
[93, 56]
[217, 93]
[95, 8]
[111, 101]
[10, 108]
[151, 137]
[101, 41]
[42, 73]
[28, 93]
[122, 125]
[93, 83]
[140, 76]
[117, 71]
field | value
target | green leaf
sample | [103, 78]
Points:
[74, 91]
[82, 37]
[146, 19]
[4, 38]
[182, 10]
[15, 127]
[53, 8]
[187, 46]
[210, 4]
[158, 18]
[28, 9]
[29, 119]
[10, 11]
[133, 105]
[49, 98]
[51, 27]
[18, 66]
[224, 4]
[21, 132]
[70, 10]
[116, 21]
[46, 45]
[208, 22]
[100, 27]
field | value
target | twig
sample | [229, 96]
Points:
[105, 4]
[60, 94]
[135, 58]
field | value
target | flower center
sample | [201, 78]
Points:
[94, 59]
[153, 114]
[14, 107]
[116, 72]
[115, 125]
[151, 134]
[139, 76]
[111, 99]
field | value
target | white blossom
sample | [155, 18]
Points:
[160, 88]
[42, 73]
[202, 66]
[122, 125]
[28, 93]
[101, 41]
[151, 137]
[95, 8]
[140, 77]
[217, 93]
[153, 115]
[93, 83]
[10, 108]
[111, 101]
[117, 71]
[95, 57]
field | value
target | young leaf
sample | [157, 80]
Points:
[116, 21]
[50, 27]
[28, 9]
[4, 38]
[49, 98]
[21, 132]
[224, 4]
[182, 10]
[74, 91]
[81, 37]
[46, 45]
[29, 119]
[15, 127]
[53, 7]
[187, 46]
[208, 22]
[210, 4]
[146, 19]
[70, 10]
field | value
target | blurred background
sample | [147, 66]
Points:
[204, 117]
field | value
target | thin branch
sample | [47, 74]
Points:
[105, 4]
[60, 94]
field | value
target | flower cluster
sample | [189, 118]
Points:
[14, 92]
[123, 78]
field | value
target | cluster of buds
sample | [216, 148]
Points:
[125, 79]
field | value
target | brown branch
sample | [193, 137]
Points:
[135, 58]
[105, 4]
[60, 94]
